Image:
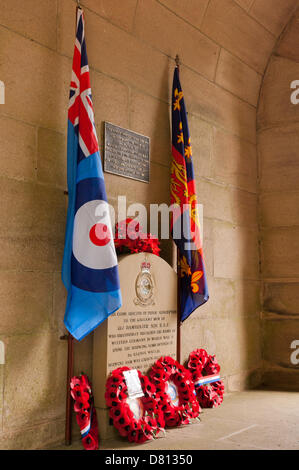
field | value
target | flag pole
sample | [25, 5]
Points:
[178, 347]
[178, 339]
[70, 347]
[70, 373]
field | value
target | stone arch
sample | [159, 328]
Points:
[278, 155]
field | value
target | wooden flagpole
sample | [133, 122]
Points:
[70, 346]
[70, 373]
[178, 339]
[178, 344]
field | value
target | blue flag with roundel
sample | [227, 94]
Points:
[90, 268]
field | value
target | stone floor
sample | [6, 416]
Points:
[257, 419]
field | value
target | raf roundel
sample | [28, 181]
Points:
[100, 234]
[93, 244]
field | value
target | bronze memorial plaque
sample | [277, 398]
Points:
[126, 153]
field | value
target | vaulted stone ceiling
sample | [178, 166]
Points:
[246, 28]
[246, 32]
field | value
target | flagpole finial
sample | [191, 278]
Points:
[78, 4]
[177, 61]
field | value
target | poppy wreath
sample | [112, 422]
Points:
[175, 390]
[85, 412]
[130, 238]
[148, 423]
[201, 364]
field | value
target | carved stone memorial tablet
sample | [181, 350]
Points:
[143, 330]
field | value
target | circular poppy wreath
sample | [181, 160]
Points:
[202, 364]
[175, 391]
[139, 419]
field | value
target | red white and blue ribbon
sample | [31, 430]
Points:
[85, 431]
[209, 379]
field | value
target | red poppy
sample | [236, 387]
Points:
[202, 364]
[80, 405]
[83, 418]
[80, 390]
[140, 423]
[175, 389]
[129, 237]
[90, 442]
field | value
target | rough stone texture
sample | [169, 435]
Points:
[273, 13]
[131, 46]
[235, 252]
[59, 303]
[34, 95]
[211, 337]
[245, 380]
[28, 19]
[208, 245]
[280, 256]
[148, 117]
[230, 299]
[27, 308]
[228, 204]
[234, 161]
[282, 298]
[83, 356]
[34, 363]
[278, 335]
[211, 103]
[275, 105]
[18, 145]
[246, 4]
[287, 45]
[238, 78]
[51, 162]
[201, 134]
[232, 28]
[111, 98]
[117, 12]
[34, 437]
[280, 209]
[32, 253]
[280, 378]
[279, 216]
[31, 210]
[193, 14]
[177, 38]
[279, 167]
[251, 420]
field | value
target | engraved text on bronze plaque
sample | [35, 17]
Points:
[126, 153]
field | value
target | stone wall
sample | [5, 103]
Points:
[278, 143]
[131, 47]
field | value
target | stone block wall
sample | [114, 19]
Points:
[279, 211]
[131, 47]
